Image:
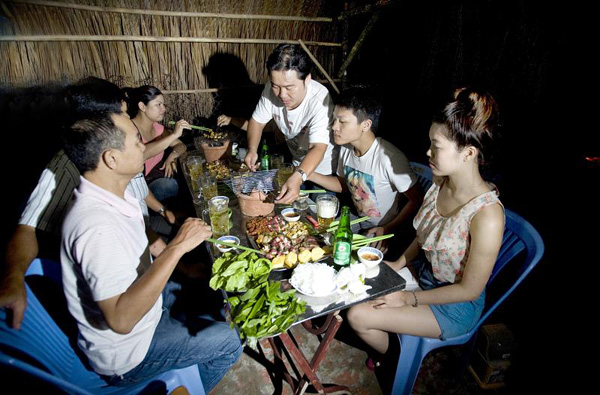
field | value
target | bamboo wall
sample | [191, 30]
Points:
[171, 66]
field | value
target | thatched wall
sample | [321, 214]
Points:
[121, 55]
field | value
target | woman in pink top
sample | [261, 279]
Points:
[459, 232]
[146, 109]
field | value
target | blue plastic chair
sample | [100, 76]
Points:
[519, 236]
[56, 362]
[424, 175]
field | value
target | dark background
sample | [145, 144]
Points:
[535, 58]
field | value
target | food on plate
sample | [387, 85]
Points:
[316, 279]
[290, 240]
[265, 311]
[291, 259]
[219, 169]
[278, 262]
[316, 253]
[238, 272]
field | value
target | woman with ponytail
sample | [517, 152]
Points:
[459, 233]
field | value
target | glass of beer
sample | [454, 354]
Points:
[327, 209]
[284, 172]
[208, 183]
[195, 167]
[218, 211]
[276, 161]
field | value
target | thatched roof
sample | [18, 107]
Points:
[186, 48]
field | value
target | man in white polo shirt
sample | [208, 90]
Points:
[301, 108]
[120, 300]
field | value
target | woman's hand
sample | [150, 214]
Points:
[396, 299]
[170, 165]
[223, 120]
[179, 126]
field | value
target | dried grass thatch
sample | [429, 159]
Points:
[75, 49]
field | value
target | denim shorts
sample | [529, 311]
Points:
[454, 319]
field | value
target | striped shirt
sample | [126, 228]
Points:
[49, 201]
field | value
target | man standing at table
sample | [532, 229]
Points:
[301, 108]
[120, 300]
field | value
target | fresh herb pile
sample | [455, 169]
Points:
[265, 311]
[237, 273]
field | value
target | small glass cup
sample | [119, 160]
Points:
[218, 211]
[208, 183]
[284, 172]
[301, 202]
[195, 167]
[327, 209]
[276, 161]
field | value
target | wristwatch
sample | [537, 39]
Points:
[302, 173]
[161, 210]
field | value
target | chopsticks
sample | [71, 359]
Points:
[334, 225]
[241, 247]
[313, 191]
[363, 242]
[171, 123]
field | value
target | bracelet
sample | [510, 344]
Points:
[416, 304]
[162, 210]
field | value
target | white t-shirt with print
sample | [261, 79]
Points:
[376, 180]
[306, 124]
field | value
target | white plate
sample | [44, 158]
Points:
[313, 294]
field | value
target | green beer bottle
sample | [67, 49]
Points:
[265, 158]
[342, 244]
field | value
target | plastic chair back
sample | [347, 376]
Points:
[424, 175]
[519, 237]
[42, 350]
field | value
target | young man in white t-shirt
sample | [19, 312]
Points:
[375, 172]
[301, 108]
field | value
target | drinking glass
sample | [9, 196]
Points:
[208, 183]
[276, 161]
[327, 209]
[218, 211]
[195, 168]
[285, 171]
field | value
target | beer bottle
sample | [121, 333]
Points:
[342, 244]
[265, 158]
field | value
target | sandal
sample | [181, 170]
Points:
[372, 364]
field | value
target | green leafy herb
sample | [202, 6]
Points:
[238, 272]
[264, 311]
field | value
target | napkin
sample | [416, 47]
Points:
[411, 283]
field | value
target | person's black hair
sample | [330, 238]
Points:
[144, 94]
[472, 119]
[86, 140]
[290, 57]
[91, 96]
[363, 102]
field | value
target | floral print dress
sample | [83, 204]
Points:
[445, 240]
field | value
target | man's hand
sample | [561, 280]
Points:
[14, 297]
[290, 190]
[191, 234]
[381, 245]
[250, 160]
